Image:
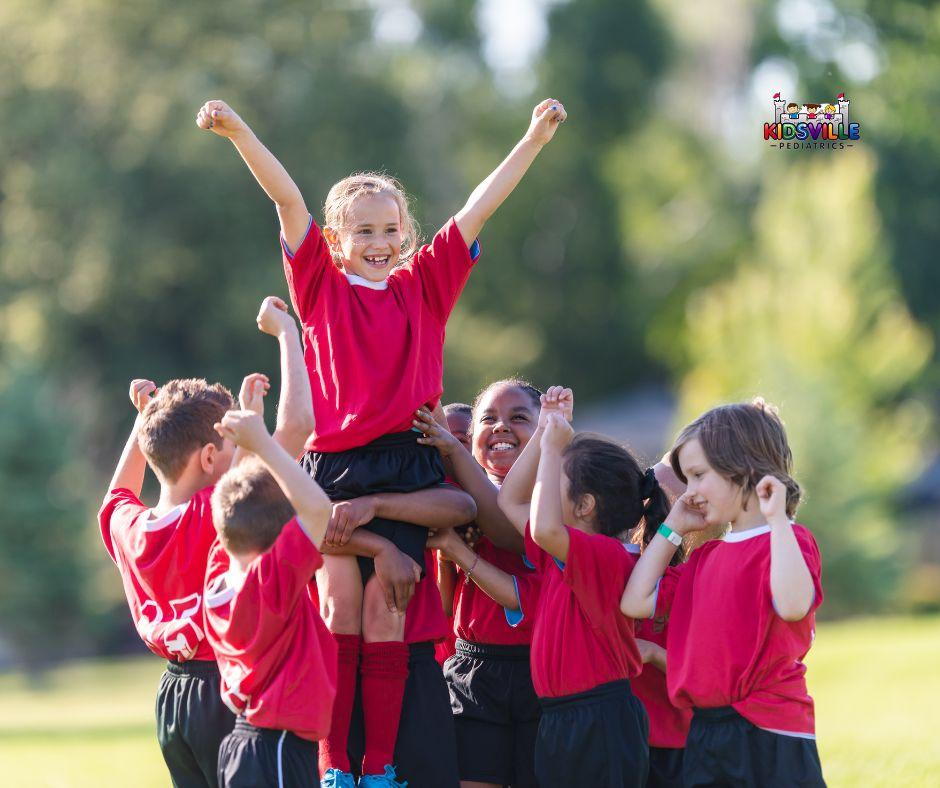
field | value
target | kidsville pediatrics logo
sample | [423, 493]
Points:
[811, 126]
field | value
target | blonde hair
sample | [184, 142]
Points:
[345, 192]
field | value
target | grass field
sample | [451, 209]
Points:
[876, 684]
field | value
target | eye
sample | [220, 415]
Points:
[486, 419]
[520, 417]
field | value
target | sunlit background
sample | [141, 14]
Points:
[660, 257]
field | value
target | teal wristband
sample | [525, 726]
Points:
[666, 532]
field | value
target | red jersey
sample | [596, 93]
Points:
[276, 657]
[728, 647]
[479, 619]
[162, 561]
[581, 639]
[374, 350]
[669, 726]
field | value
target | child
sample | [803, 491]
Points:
[276, 656]
[459, 417]
[162, 552]
[374, 335]
[586, 494]
[495, 595]
[743, 616]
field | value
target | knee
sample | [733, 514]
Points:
[379, 624]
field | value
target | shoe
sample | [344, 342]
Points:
[334, 778]
[387, 780]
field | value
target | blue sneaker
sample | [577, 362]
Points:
[334, 778]
[387, 780]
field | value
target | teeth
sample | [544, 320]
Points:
[502, 446]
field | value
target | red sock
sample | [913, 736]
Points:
[384, 671]
[333, 748]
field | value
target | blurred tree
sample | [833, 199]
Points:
[812, 321]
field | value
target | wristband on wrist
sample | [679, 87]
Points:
[667, 532]
[469, 572]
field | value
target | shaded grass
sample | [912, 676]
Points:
[876, 683]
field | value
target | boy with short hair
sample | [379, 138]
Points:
[162, 552]
[276, 656]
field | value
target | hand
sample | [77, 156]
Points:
[546, 118]
[558, 433]
[434, 434]
[446, 542]
[253, 391]
[650, 652]
[685, 516]
[772, 497]
[347, 517]
[273, 317]
[556, 399]
[397, 574]
[244, 428]
[219, 118]
[141, 392]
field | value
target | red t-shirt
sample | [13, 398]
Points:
[479, 619]
[276, 657]
[374, 350]
[581, 639]
[162, 562]
[728, 647]
[669, 726]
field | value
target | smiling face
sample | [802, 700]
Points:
[503, 422]
[717, 498]
[370, 239]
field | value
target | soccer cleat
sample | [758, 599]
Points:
[334, 778]
[387, 780]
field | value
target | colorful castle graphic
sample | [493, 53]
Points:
[809, 124]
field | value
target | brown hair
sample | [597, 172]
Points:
[624, 496]
[344, 193]
[249, 508]
[179, 420]
[510, 383]
[743, 442]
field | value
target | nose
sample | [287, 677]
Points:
[499, 426]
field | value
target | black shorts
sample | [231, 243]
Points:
[426, 749]
[253, 757]
[496, 713]
[723, 748]
[665, 767]
[394, 463]
[192, 720]
[597, 738]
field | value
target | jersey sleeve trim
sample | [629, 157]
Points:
[287, 251]
[515, 617]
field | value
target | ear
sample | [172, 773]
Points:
[207, 457]
[332, 238]
[585, 506]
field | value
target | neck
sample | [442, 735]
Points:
[174, 493]
[750, 517]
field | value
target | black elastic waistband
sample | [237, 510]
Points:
[390, 441]
[492, 650]
[203, 668]
[421, 650]
[245, 728]
[601, 692]
[716, 713]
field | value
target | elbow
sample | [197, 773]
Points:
[793, 609]
[298, 428]
[465, 510]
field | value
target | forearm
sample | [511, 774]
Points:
[268, 171]
[548, 528]
[131, 467]
[361, 543]
[434, 507]
[295, 406]
[490, 518]
[658, 658]
[516, 493]
[791, 584]
[305, 495]
[490, 194]
[494, 582]
[446, 582]
[639, 597]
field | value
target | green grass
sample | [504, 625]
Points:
[876, 684]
